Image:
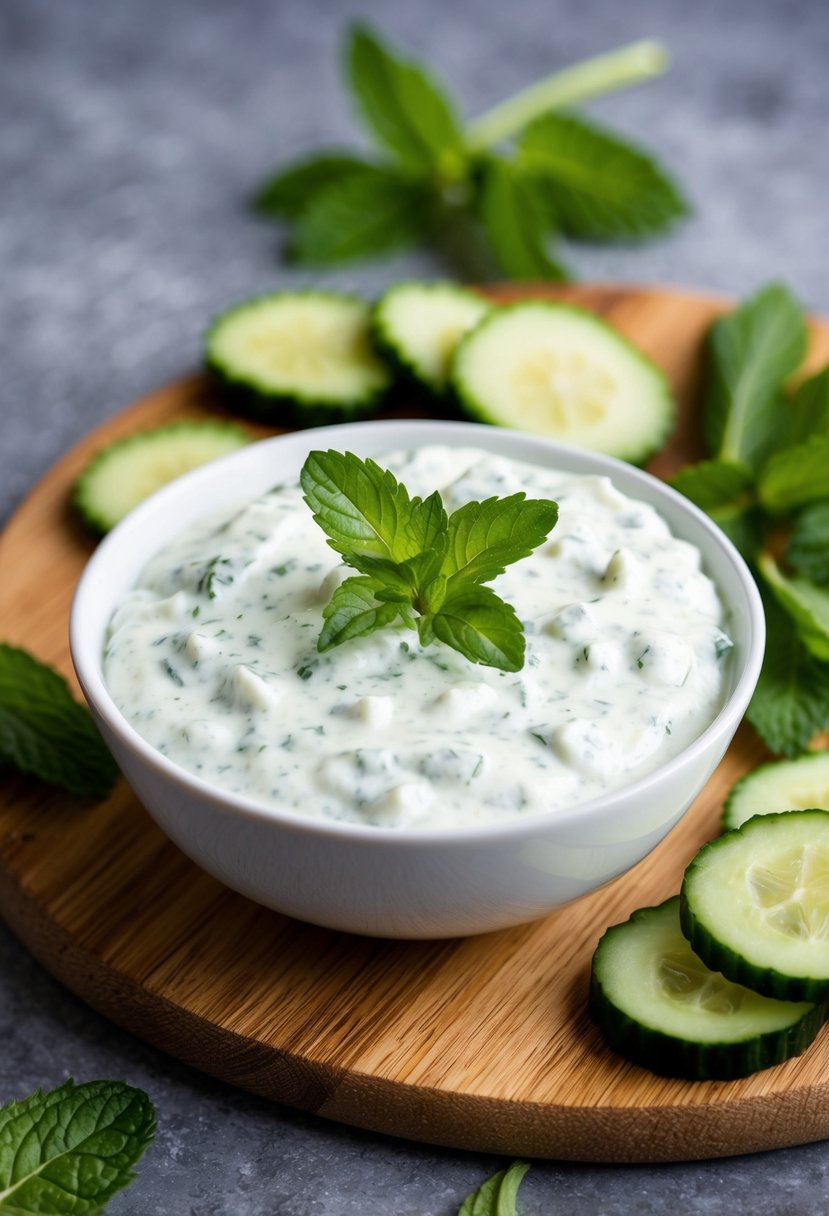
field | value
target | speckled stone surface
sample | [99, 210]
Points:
[132, 137]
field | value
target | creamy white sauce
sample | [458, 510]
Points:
[213, 660]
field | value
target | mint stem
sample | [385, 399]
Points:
[618, 69]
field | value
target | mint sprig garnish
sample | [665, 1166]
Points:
[419, 567]
[72, 1149]
[503, 187]
[766, 480]
[46, 732]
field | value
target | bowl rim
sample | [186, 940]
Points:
[87, 651]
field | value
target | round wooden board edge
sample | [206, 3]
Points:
[586, 1134]
[422, 1114]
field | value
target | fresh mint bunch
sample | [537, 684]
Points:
[46, 732]
[766, 482]
[72, 1149]
[496, 193]
[418, 566]
[496, 1196]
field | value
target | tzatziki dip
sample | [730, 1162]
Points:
[213, 659]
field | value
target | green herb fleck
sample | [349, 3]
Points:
[214, 576]
[172, 673]
[722, 644]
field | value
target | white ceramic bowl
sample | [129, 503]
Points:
[396, 882]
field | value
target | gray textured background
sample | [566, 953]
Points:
[132, 135]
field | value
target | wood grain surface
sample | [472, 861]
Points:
[479, 1043]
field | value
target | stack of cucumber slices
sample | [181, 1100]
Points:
[307, 358]
[312, 357]
[732, 975]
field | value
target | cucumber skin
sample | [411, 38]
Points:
[471, 408]
[719, 957]
[281, 410]
[287, 409]
[726, 824]
[406, 375]
[668, 1056]
[406, 379]
[671, 1057]
[96, 524]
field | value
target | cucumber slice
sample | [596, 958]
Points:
[559, 371]
[658, 1005]
[124, 473]
[755, 905]
[785, 785]
[300, 356]
[417, 326]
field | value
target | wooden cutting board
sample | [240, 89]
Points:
[482, 1043]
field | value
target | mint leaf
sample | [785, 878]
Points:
[752, 351]
[289, 192]
[808, 550]
[396, 582]
[428, 523]
[791, 702]
[714, 483]
[72, 1149]
[402, 106]
[496, 1196]
[517, 223]
[45, 731]
[486, 537]
[806, 604]
[366, 214]
[410, 582]
[362, 508]
[485, 629]
[744, 527]
[599, 186]
[796, 475]
[809, 408]
[353, 612]
[726, 492]
[426, 570]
